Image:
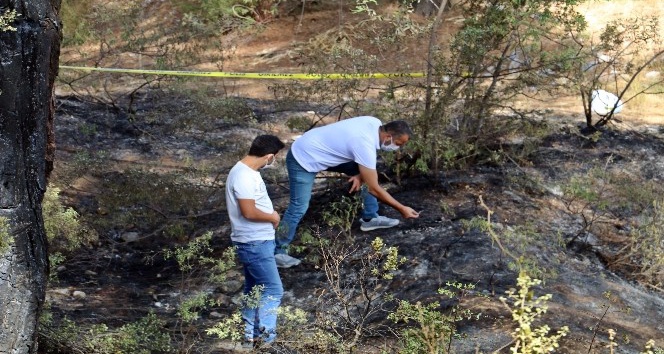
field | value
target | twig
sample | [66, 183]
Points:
[503, 347]
[597, 326]
[493, 235]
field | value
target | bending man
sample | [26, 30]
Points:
[348, 146]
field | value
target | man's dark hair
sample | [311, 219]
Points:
[398, 128]
[265, 145]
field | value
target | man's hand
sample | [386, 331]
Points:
[275, 219]
[356, 183]
[409, 213]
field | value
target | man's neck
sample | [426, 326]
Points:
[255, 163]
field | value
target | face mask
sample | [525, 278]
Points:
[269, 164]
[389, 147]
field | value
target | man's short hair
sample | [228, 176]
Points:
[398, 128]
[265, 145]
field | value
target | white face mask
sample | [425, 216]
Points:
[269, 164]
[389, 147]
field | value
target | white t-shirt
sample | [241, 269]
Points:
[245, 183]
[354, 139]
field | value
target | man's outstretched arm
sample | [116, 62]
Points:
[370, 178]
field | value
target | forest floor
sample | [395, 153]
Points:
[125, 275]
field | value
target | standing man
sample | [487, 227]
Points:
[348, 146]
[253, 221]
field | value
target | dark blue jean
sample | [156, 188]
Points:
[301, 183]
[260, 270]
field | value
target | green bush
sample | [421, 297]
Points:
[74, 15]
[145, 336]
[642, 254]
[6, 239]
[342, 213]
[526, 309]
[6, 19]
[63, 227]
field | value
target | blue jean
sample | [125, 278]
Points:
[301, 183]
[260, 269]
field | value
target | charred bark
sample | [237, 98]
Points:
[28, 66]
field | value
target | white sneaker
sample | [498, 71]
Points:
[286, 261]
[380, 222]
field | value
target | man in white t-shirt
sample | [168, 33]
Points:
[348, 146]
[253, 224]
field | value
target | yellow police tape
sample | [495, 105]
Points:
[246, 75]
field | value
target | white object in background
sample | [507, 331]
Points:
[603, 102]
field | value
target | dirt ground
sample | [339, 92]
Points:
[123, 281]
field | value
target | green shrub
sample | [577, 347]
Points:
[642, 254]
[163, 202]
[195, 257]
[64, 230]
[517, 242]
[602, 194]
[431, 330]
[6, 19]
[145, 336]
[351, 302]
[189, 308]
[6, 238]
[526, 308]
[342, 213]
[231, 327]
[198, 253]
[75, 21]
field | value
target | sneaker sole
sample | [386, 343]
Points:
[376, 227]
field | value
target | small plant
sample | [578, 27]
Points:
[75, 21]
[342, 213]
[305, 335]
[145, 336]
[165, 203]
[431, 330]
[192, 259]
[228, 328]
[385, 260]
[642, 254]
[5, 236]
[600, 197]
[64, 230]
[356, 289]
[232, 327]
[598, 325]
[299, 124]
[586, 197]
[526, 309]
[6, 20]
[652, 349]
[189, 308]
[196, 254]
[516, 242]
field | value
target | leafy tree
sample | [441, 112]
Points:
[502, 50]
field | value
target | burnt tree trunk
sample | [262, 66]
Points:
[28, 66]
